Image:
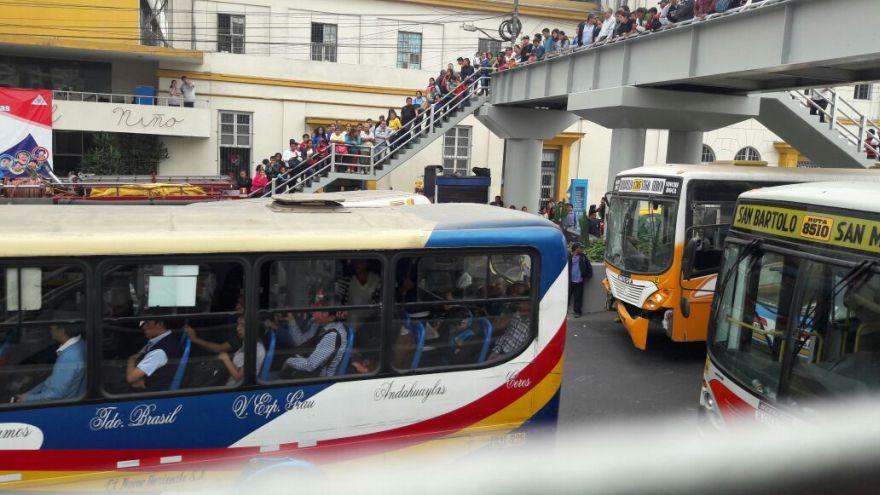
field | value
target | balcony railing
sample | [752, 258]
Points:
[158, 100]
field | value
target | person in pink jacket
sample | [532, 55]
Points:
[260, 180]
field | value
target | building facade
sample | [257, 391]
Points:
[266, 71]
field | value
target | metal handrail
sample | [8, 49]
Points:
[839, 108]
[380, 155]
[121, 98]
[669, 27]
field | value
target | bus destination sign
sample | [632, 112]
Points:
[648, 185]
[835, 230]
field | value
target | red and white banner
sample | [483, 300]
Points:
[25, 132]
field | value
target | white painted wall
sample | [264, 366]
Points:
[277, 50]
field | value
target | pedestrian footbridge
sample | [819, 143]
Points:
[698, 76]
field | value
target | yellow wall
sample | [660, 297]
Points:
[72, 20]
[562, 142]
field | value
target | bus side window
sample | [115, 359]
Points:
[171, 325]
[320, 317]
[469, 310]
[838, 347]
[42, 340]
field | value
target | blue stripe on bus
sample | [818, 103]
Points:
[547, 240]
[201, 421]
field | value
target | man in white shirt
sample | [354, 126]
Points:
[147, 369]
[189, 92]
[664, 11]
[380, 137]
[608, 25]
[289, 152]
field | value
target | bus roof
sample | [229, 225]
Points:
[736, 172]
[236, 226]
[858, 196]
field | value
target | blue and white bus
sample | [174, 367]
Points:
[143, 345]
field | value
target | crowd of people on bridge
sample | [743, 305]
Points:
[607, 26]
[358, 145]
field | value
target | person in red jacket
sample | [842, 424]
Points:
[871, 144]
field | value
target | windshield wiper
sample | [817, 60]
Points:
[850, 279]
[746, 251]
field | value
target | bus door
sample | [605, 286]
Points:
[701, 261]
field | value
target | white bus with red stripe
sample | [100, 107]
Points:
[796, 316]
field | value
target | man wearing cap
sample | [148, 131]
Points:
[579, 270]
[149, 369]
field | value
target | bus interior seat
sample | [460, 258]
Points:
[418, 330]
[185, 347]
[266, 370]
[487, 338]
[342, 369]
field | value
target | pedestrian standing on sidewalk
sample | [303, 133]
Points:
[579, 271]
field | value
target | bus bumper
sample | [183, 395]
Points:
[636, 327]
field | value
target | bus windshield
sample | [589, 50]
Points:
[641, 234]
[777, 304]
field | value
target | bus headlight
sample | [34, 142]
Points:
[657, 299]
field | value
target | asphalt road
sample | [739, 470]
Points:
[607, 379]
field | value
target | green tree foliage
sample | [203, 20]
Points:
[124, 154]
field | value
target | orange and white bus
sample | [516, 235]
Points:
[664, 235]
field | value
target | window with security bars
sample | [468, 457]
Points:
[549, 173]
[862, 92]
[708, 155]
[324, 39]
[230, 33]
[409, 50]
[749, 154]
[488, 45]
[235, 141]
[457, 150]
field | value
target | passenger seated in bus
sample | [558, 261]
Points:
[363, 365]
[211, 346]
[463, 343]
[504, 312]
[235, 364]
[68, 378]
[153, 367]
[362, 288]
[329, 338]
[517, 332]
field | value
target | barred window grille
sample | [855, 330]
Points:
[862, 92]
[324, 42]
[409, 50]
[230, 33]
[457, 150]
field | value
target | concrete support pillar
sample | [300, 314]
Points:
[627, 151]
[524, 131]
[685, 147]
[522, 172]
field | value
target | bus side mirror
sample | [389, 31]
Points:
[685, 307]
